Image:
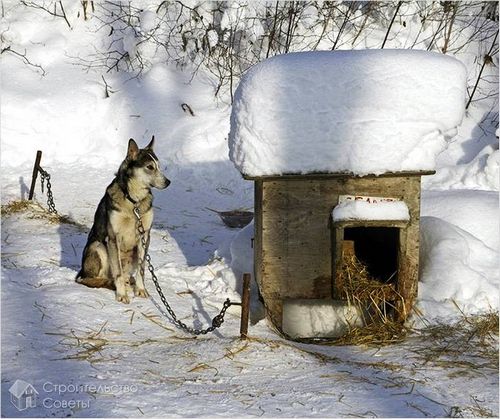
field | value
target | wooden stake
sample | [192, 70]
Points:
[35, 174]
[245, 306]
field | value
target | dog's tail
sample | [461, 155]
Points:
[96, 282]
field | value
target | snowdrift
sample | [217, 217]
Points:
[364, 112]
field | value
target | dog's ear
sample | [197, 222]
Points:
[151, 144]
[133, 149]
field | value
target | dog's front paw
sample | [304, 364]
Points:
[140, 292]
[122, 298]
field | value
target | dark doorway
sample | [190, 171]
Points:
[377, 248]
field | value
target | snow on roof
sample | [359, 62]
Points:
[362, 210]
[361, 112]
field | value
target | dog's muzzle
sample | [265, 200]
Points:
[163, 183]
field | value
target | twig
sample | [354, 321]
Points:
[390, 25]
[107, 89]
[24, 58]
[186, 108]
[485, 61]
[64, 14]
[54, 13]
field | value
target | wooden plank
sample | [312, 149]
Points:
[408, 257]
[371, 223]
[323, 175]
[337, 245]
[268, 286]
[257, 242]
[345, 250]
[296, 238]
[245, 306]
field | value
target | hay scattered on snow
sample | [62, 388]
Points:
[475, 335]
[36, 211]
[17, 206]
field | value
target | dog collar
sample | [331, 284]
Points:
[134, 202]
[127, 195]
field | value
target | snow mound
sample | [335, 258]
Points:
[361, 210]
[457, 269]
[361, 112]
[476, 212]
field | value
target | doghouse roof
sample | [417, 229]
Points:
[358, 112]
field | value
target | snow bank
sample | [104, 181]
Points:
[368, 111]
[458, 262]
[482, 172]
[362, 210]
[476, 212]
[457, 269]
[67, 114]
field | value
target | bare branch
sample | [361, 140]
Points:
[24, 58]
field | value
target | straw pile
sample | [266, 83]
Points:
[376, 300]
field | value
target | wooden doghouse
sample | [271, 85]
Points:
[298, 247]
[314, 130]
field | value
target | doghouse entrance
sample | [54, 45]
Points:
[377, 249]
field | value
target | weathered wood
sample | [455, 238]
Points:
[295, 234]
[322, 175]
[344, 248]
[35, 174]
[408, 255]
[268, 287]
[371, 223]
[245, 306]
[298, 248]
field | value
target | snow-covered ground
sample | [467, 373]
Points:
[88, 355]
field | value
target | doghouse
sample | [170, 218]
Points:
[298, 246]
[336, 144]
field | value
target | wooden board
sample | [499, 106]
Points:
[322, 175]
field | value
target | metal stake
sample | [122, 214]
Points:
[35, 174]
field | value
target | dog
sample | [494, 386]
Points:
[114, 250]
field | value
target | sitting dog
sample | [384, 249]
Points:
[114, 250]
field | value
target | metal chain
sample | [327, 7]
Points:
[50, 198]
[216, 321]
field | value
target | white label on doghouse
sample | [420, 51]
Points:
[369, 199]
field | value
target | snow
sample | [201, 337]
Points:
[378, 210]
[319, 318]
[361, 112]
[456, 269]
[148, 20]
[474, 211]
[129, 359]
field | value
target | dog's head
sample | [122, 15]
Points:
[144, 166]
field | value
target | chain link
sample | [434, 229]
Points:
[50, 198]
[216, 321]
